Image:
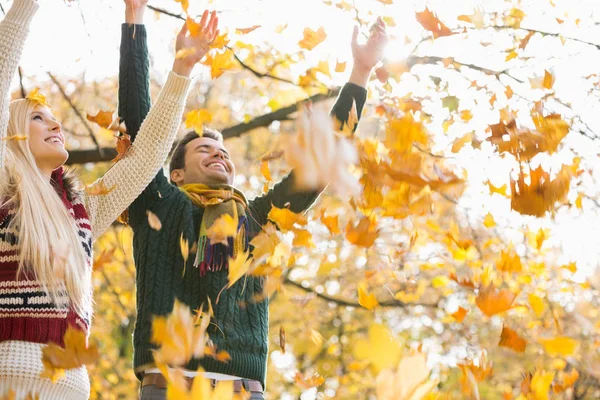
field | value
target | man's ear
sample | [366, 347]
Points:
[177, 176]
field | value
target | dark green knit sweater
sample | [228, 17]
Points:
[240, 326]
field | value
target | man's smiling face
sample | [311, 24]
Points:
[206, 161]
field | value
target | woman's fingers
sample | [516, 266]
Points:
[184, 30]
[203, 20]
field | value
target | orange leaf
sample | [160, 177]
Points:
[243, 31]
[104, 119]
[265, 171]
[430, 22]
[285, 218]
[104, 258]
[307, 383]
[311, 38]
[365, 299]
[76, 353]
[153, 221]
[382, 74]
[123, 146]
[340, 66]
[510, 339]
[492, 301]
[331, 222]
[460, 315]
[363, 234]
[99, 189]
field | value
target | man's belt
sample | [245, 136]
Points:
[160, 382]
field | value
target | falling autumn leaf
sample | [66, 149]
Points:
[306, 383]
[238, 266]
[285, 218]
[311, 38]
[99, 189]
[382, 74]
[364, 233]
[123, 146]
[185, 248]
[559, 346]
[492, 301]
[488, 221]
[104, 119]
[381, 349]
[244, 31]
[179, 335]
[366, 299]
[430, 22]
[282, 339]
[153, 221]
[331, 222]
[460, 314]
[410, 381]
[196, 118]
[510, 339]
[340, 66]
[105, 257]
[223, 228]
[76, 353]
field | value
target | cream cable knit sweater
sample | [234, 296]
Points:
[129, 177]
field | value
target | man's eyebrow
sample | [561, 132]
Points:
[208, 146]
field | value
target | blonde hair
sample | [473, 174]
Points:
[42, 220]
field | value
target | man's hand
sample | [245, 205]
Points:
[134, 11]
[194, 47]
[367, 55]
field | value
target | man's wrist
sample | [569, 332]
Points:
[134, 16]
[360, 75]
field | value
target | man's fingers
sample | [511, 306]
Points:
[203, 20]
[184, 30]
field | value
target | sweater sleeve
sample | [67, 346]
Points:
[13, 33]
[132, 174]
[134, 105]
[283, 193]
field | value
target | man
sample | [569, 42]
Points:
[240, 325]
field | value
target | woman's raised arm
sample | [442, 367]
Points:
[13, 32]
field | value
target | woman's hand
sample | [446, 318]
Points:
[134, 11]
[367, 55]
[192, 48]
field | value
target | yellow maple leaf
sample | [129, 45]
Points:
[542, 193]
[224, 227]
[410, 380]
[184, 5]
[178, 387]
[265, 242]
[488, 220]
[511, 55]
[559, 346]
[302, 238]
[36, 97]
[540, 384]
[244, 31]
[237, 267]
[400, 134]
[537, 304]
[499, 190]
[509, 261]
[185, 248]
[366, 299]
[180, 336]
[364, 233]
[153, 221]
[331, 222]
[492, 301]
[381, 349]
[220, 62]
[340, 66]
[430, 22]
[311, 38]
[285, 218]
[220, 42]
[76, 352]
[196, 119]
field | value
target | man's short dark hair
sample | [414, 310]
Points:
[178, 155]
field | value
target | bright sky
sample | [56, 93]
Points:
[83, 37]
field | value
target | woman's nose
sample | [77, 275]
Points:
[55, 125]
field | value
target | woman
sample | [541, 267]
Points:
[47, 227]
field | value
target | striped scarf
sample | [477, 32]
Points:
[218, 200]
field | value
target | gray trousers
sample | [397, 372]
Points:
[150, 392]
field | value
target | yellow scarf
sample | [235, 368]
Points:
[217, 200]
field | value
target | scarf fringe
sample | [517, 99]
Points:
[211, 258]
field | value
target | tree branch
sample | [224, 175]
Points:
[259, 74]
[107, 153]
[163, 11]
[83, 120]
[23, 93]
[346, 303]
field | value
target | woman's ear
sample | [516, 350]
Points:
[177, 176]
